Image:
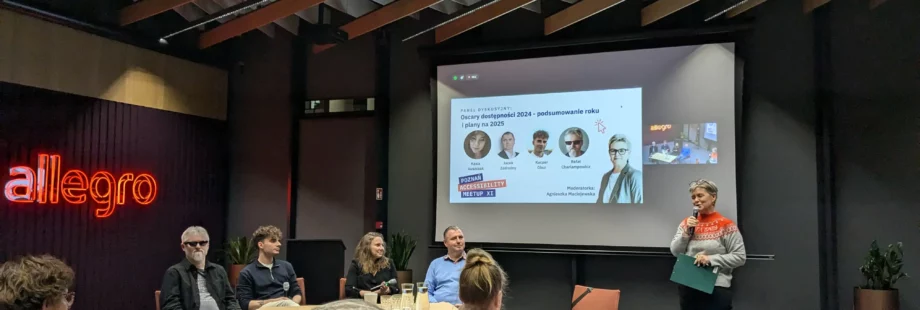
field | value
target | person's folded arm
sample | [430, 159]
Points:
[736, 254]
[680, 241]
[230, 301]
[169, 291]
[244, 291]
[351, 280]
[296, 286]
[394, 287]
[431, 282]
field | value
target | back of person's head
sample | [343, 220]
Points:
[482, 281]
[348, 304]
[31, 282]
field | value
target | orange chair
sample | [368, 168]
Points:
[341, 288]
[156, 294]
[597, 299]
[303, 294]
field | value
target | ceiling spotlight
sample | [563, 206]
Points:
[163, 41]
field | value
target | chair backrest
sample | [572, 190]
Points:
[156, 295]
[597, 299]
[303, 294]
[341, 288]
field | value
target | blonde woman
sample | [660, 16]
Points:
[482, 282]
[716, 242]
[370, 269]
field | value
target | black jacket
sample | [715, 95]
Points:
[179, 290]
[357, 280]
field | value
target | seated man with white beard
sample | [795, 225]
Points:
[196, 283]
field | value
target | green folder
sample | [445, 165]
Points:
[690, 275]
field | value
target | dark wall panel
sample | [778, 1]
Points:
[119, 260]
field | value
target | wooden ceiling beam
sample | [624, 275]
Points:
[478, 17]
[744, 7]
[252, 20]
[811, 5]
[379, 18]
[575, 13]
[144, 9]
[662, 8]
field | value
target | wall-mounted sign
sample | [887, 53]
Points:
[379, 193]
[46, 185]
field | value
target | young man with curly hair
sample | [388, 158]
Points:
[268, 282]
[36, 283]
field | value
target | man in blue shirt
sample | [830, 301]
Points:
[443, 278]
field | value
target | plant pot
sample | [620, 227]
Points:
[234, 274]
[864, 299]
[404, 276]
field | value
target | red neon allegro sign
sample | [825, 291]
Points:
[46, 185]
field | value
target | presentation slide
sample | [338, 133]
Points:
[584, 150]
[544, 148]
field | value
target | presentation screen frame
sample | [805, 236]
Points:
[439, 57]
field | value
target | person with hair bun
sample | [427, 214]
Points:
[482, 282]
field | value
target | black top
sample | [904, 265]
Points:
[179, 290]
[357, 281]
[257, 282]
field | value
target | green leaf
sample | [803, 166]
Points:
[400, 248]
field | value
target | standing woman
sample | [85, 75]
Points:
[716, 242]
[370, 268]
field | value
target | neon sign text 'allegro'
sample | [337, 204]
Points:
[46, 185]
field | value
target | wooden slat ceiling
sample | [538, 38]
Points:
[370, 15]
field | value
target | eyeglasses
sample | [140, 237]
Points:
[195, 243]
[576, 142]
[69, 298]
[618, 151]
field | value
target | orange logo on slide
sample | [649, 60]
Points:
[663, 127]
[46, 185]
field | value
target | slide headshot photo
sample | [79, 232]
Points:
[540, 137]
[507, 151]
[622, 184]
[477, 144]
[681, 144]
[574, 141]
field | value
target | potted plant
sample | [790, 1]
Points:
[881, 271]
[240, 252]
[401, 247]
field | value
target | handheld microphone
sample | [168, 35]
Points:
[392, 281]
[696, 214]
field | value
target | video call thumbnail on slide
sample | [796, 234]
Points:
[680, 144]
[572, 147]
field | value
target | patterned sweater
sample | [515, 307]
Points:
[716, 237]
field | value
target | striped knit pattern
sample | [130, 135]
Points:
[716, 237]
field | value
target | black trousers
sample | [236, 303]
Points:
[692, 299]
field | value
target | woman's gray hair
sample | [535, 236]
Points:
[707, 185]
[348, 304]
[620, 138]
[194, 231]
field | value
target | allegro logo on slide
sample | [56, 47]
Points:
[660, 127]
[46, 185]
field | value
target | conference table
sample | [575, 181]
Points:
[388, 302]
